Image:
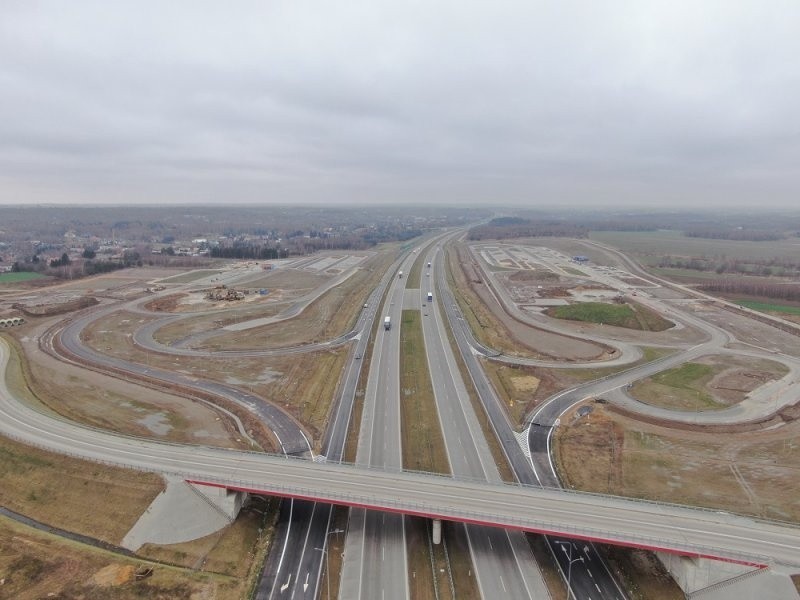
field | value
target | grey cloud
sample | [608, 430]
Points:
[578, 102]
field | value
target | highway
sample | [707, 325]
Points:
[590, 577]
[579, 515]
[294, 569]
[375, 560]
[503, 562]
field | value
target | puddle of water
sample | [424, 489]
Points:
[156, 423]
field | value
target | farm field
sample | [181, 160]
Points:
[648, 247]
[18, 277]
[769, 307]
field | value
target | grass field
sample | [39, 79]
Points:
[95, 500]
[751, 473]
[18, 277]
[769, 307]
[650, 246]
[681, 388]
[629, 316]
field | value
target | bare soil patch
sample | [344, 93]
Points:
[333, 314]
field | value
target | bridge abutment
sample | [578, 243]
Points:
[707, 579]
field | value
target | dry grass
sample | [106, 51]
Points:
[332, 567]
[302, 384]
[331, 315]
[548, 566]
[112, 404]
[36, 565]
[511, 382]
[422, 579]
[95, 500]
[489, 330]
[753, 473]
[422, 440]
[466, 585]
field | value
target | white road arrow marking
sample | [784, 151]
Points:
[286, 585]
[305, 585]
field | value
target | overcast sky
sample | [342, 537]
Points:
[594, 103]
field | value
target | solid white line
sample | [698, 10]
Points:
[283, 552]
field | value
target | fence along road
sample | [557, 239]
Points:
[578, 515]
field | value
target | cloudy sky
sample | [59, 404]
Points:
[595, 103]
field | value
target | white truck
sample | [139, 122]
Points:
[400, 275]
[387, 323]
[430, 296]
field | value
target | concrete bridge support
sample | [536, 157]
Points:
[184, 512]
[706, 579]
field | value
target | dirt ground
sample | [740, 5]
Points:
[753, 473]
[748, 330]
[36, 565]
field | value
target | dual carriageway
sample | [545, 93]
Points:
[501, 557]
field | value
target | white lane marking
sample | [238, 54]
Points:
[285, 543]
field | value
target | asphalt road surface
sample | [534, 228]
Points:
[503, 562]
[375, 563]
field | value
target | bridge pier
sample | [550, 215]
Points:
[437, 531]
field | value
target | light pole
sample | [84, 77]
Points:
[324, 550]
[570, 560]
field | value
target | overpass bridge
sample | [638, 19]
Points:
[593, 517]
[607, 519]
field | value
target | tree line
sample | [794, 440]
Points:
[776, 291]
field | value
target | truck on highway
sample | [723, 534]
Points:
[400, 275]
[430, 296]
[429, 265]
[387, 323]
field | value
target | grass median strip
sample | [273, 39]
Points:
[423, 444]
[423, 450]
